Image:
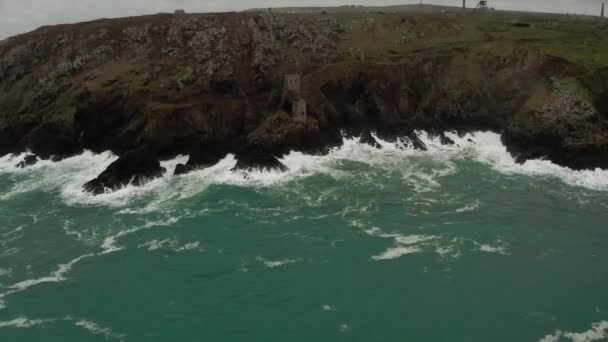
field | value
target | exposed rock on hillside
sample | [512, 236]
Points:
[208, 85]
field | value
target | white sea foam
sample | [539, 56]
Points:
[469, 207]
[188, 247]
[170, 244]
[403, 244]
[67, 228]
[276, 263]
[96, 329]
[344, 328]
[500, 247]
[157, 244]
[66, 175]
[447, 251]
[71, 174]
[109, 244]
[54, 277]
[487, 147]
[5, 271]
[396, 252]
[327, 307]
[90, 326]
[443, 245]
[23, 322]
[598, 332]
[13, 231]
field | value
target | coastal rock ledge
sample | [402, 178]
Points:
[261, 84]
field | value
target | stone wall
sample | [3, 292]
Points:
[292, 83]
[299, 111]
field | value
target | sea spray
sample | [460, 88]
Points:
[69, 175]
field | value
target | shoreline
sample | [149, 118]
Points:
[261, 85]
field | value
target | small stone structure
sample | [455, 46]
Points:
[180, 11]
[292, 88]
[298, 111]
[293, 83]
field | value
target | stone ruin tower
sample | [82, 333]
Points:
[293, 83]
[293, 88]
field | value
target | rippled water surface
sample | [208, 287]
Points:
[457, 243]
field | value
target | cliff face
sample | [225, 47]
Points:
[206, 85]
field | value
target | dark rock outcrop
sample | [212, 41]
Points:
[253, 157]
[135, 167]
[202, 157]
[368, 138]
[29, 160]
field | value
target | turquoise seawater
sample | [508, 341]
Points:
[454, 244]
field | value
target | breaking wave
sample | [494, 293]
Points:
[598, 332]
[68, 176]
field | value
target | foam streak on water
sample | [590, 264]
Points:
[598, 332]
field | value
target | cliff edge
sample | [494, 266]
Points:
[261, 84]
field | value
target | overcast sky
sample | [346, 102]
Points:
[18, 16]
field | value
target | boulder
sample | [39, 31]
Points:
[29, 160]
[256, 158]
[445, 140]
[200, 158]
[135, 167]
[180, 169]
[368, 138]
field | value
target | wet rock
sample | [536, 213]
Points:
[255, 158]
[368, 138]
[135, 167]
[29, 160]
[412, 140]
[445, 140]
[203, 157]
[180, 169]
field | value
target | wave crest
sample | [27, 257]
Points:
[68, 176]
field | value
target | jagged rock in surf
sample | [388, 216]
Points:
[202, 157]
[29, 160]
[445, 140]
[368, 138]
[136, 167]
[412, 140]
[254, 158]
[180, 169]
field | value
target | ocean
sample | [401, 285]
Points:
[456, 243]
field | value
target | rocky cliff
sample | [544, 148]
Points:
[205, 85]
